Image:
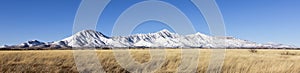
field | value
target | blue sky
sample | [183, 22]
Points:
[50, 20]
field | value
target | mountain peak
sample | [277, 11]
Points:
[90, 33]
[165, 31]
[198, 33]
[85, 38]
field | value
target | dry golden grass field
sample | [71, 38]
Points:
[236, 61]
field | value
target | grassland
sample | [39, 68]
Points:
[236, 61]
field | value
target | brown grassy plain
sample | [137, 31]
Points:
[236, 61]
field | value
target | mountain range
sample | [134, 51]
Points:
[160, 39]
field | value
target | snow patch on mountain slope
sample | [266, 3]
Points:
[143, 43]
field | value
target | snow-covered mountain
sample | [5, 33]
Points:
[163, 38]
[37, 44]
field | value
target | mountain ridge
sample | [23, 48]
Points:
[163, 38]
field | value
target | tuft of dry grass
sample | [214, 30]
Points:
[253, 50]
[288, 53]
[236, 61]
